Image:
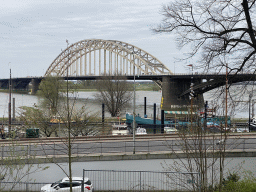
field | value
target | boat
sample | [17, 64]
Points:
[120, 129]
[141, 131]
[170, 130]
[145, 121]
[252, 126]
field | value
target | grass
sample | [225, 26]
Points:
[240, 120]
[139, 87]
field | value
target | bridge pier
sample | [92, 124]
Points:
[35, 86]
[172, 88]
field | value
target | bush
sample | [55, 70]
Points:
[247, 184]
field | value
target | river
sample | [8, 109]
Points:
[87, 99]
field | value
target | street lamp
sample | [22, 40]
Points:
[134, 100]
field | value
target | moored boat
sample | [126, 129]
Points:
[141, 131]
[170, 130]
[120, 129]
[144, 121]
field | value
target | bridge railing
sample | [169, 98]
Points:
[211, 73]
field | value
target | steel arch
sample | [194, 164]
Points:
[76, 60]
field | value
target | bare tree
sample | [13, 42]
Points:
[221, 31]
[221, 34]
[84, 124]
[114, 93]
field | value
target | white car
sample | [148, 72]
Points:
[64, 185]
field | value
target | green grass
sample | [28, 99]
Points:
[240, 120]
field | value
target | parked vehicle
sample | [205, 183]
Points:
[170, 130]
[63, 185]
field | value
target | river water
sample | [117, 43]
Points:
[84, 98]
[87, 99]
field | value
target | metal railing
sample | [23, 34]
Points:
[113, 180]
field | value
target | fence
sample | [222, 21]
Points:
[111, 180]
[55, 149]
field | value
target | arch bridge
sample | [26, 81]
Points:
[94, 58]
[97, 57]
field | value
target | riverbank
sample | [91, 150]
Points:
[140, 86]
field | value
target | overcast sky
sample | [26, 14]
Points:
[33, 32]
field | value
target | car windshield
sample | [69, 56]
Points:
[57, 182]
[88, 182]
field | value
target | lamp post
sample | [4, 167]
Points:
[134, 99]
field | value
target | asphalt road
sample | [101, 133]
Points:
[56, 147]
